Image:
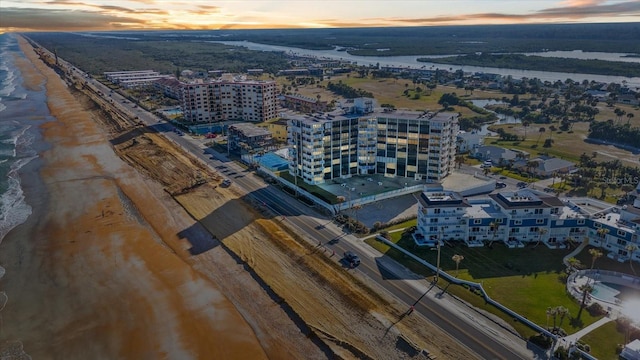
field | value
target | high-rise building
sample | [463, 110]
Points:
[410, 144]
[229, 99]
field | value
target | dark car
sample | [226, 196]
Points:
[352, 259]
[500, 185]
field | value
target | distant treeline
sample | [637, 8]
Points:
[99, 54]
[541, 63]
[443, 40]
[616, 133]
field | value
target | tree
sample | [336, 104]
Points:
[586, 289]
[629, 116]
[563, 312]
[574, 263]
[494, 225]
[631, 248]
[541, 233]
[595, 254]
[541, 131]
[457, 258]
[602, 233]
[549, 312]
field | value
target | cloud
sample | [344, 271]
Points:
[593, 8]
[29, 19]
[576, 10]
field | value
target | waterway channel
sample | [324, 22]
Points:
[412, 62]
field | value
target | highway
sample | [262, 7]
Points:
[317, 228]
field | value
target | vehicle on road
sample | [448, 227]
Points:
[522, 184]
[500, 185]
[211, 136]
[352, 259]
[226, 182]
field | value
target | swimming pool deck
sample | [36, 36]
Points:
[614, 307]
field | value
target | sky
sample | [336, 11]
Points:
[106, 15]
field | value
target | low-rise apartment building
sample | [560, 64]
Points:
[529, 217]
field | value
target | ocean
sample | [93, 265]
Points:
[22, 111]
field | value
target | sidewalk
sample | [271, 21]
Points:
[573, 338]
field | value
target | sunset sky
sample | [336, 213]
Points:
[78, 15]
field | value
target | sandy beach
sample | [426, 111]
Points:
[89, 275]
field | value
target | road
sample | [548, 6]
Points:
[320, 229]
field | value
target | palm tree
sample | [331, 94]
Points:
[563, 312]
[595, 254]
[602, 233]
[586, 289]
[574, 263]
[629, 116]
[549, 312]
[494, 225]
[457, 258]
[541, 233]
[631, 248]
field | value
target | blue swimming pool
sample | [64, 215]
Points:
[604, 292]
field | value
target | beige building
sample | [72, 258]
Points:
[229, 99]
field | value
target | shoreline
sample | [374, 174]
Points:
[112, 288]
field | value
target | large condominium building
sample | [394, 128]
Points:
[229, 99]
[416, 145]
[527, 217]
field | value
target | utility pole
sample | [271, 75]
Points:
[438, 263]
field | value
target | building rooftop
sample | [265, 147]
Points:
[250, 130]
[518, 200]
[483, 208]
[443, 199]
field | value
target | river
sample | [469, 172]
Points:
[412, 62]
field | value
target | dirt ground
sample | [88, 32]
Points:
[300, 304]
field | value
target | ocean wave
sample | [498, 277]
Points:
[13, 208]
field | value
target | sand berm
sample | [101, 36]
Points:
[107, 265]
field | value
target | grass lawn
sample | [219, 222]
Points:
[607, 339]
[525, 280]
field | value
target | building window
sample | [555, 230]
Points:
[433, 220]
[580, 222]
[539, 221]
[597, 225]
[622, 233]
[436, 211]
[477, 221]
[538, 211]
[517, 222]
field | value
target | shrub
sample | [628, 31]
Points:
[596, 309]
[541, 340]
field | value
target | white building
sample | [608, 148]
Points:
[529, 217]
[412, 144]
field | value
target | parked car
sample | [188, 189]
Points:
[226, 182]
[500, 185]
[352, 259]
